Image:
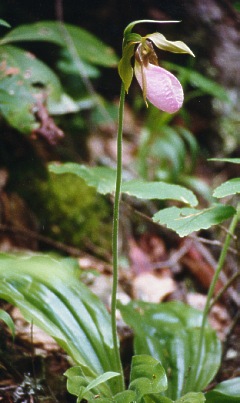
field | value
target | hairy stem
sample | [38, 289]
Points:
[221, 261]
[115, 238]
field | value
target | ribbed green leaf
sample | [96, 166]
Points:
[186, 220]
[228, 188]
[82, 387]
[192, 397]
[225, 392]
[147, 376]
[127, 396]
[87, 45]
[6, 318]
[49, 293]
[170, 333]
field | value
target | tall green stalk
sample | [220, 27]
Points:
[221, 261]
[115, 238]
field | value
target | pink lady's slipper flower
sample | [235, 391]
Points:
[159, 86]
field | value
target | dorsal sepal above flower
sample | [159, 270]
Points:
[162, 43]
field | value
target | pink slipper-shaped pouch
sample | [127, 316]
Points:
[160, 87]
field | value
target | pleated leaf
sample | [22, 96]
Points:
[225, 392]
[49, 293]
[170, 333]
[147, 376]
[6, 318]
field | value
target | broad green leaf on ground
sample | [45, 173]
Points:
[88, 47]
[6, 318]
[192, 397]
[231, 160]
[228, 188]
[127, 396]
[186, 220]
[206, 85]
[225, 392]
[156, 399]
[147, 376]
[160, 191]
[170, 332]
[49, 293]
[102, 178]
[78, 385]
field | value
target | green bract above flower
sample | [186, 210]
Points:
[159, 86]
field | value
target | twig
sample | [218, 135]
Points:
[224, 288]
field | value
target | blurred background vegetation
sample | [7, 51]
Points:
[66, 110]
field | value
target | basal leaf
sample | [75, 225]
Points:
[225, 392]
[147, 376]
[102, 178]
[49, 293]
[151, 398]
[160, 191]
[6, 318]
[88, 46]
[127, 396]
[170, 332]
[192, 397]
[79, 385]
[228, 188]
[101, 379]
[186, 220]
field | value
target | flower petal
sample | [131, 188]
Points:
[163, 89]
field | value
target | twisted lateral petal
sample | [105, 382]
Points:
[161, 88]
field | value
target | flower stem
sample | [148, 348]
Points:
[115, 239]
[221, 261]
